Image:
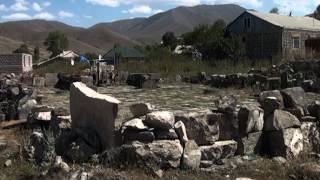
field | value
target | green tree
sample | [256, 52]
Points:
[22, 49]
[36, 54]
[274, 10]
[317, 13]
[56, 42]
[213, 42]
[169, 40]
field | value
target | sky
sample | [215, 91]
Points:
[86, 13]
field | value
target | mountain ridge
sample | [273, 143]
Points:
[101, 37]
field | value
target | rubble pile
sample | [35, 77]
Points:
[16, 100]
[278, 123]
[293, 74]
[210, 138]
[148, 81]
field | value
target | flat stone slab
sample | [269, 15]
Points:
[94, 111]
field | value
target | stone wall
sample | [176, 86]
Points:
[287, 44]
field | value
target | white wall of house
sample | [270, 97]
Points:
[26, 62]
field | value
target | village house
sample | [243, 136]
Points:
[272, 36]
[15, 63]
[120, 55]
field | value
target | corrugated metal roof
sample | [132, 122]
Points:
[290, 22]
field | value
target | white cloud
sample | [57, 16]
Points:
[65, 14]
[3, 7]
[157, 11]
[17, 16]
[20, 5]
[110, 3]
[44, 15]
[141, 9]
[36, 7]
[24, 16]
[115, 3]
[246, 3]
[87, 16]
[300, 6]
[46, 4]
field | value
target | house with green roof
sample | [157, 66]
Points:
[123, 54]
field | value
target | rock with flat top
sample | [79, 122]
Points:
[281, 120]
[134, 124]
[160, 120]
[161, 154]
[287, 143]
[91, 110]
[201, 126]
[219, 150]
[250, 119]
[293, 97]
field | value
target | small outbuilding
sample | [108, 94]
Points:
[118, 55]
[15, 63]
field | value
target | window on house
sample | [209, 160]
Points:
[247, 23]
[296, 42]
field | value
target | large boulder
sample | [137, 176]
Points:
[51, 79]
[163, 153]
[307, 129]
[280, 120]
[293, 97]
[25, 108]
[65, 81]
[160, 120]
[314, 138]
[39, 150]
[314, 109]
[139, 80]
[201, 127]
[91, 110]
[141, 109]
[250, 144]
[275, 93]
[191, 155]
[143, 136]
[287, 143]
[270, 101]
[161, 134]
[219, 150]
[250, 119]
[134, 124]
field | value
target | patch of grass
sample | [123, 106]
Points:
[169, 65]
[62, 67]
[20, 169]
